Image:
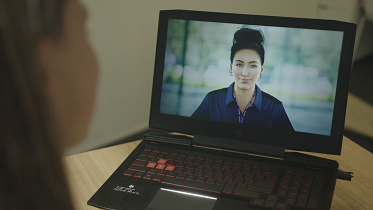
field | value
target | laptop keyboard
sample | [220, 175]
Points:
[271, 186]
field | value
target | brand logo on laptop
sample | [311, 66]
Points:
[129, 188]
[239, 132]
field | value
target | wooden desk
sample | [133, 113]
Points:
[87, 171]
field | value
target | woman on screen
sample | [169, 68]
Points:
[243, 102]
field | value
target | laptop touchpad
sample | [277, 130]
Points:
[167, 199]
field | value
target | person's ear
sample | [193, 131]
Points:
[230, 70]
[261, 71]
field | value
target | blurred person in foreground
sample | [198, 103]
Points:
[48, 76]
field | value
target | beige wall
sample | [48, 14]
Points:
[123, 33]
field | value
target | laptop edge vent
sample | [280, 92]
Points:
[310, 160]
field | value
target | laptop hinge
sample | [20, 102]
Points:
[168, 138]
[241, 146]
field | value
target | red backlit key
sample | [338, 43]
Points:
[160, 166]
[139, 163]
[281, 206]
[138, 174]
[272, 198]
[151, 165]
[129, 173]
[137, 168]
[152, 170]
[142, 158]
[157, 178]
[200, 179]
[169, 168]
[148, 176]
[228, 190]
[162, 161]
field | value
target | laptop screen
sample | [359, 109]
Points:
[255, 74]
[296, 81]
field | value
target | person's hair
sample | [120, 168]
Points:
[31, 171]
[247, 38]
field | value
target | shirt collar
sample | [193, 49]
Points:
[257, 102]
[229, 97]
[258, 99]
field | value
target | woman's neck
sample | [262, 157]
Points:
[244, 96]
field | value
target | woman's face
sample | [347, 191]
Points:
[246, 68]
[71, 73]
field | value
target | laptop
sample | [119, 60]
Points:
[239, 91]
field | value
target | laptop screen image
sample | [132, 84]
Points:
[209, 79]
[300, 72]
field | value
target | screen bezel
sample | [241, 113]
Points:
[255, 134]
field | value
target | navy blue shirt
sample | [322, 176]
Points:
[267, 111]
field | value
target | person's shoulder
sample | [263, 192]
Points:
[217, 92]
[271, 98]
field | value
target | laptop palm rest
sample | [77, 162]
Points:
[225, 203]
[167, 199]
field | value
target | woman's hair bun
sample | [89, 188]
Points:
[248, 35]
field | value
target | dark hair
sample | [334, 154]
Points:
[32, 176]
[247, 38]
